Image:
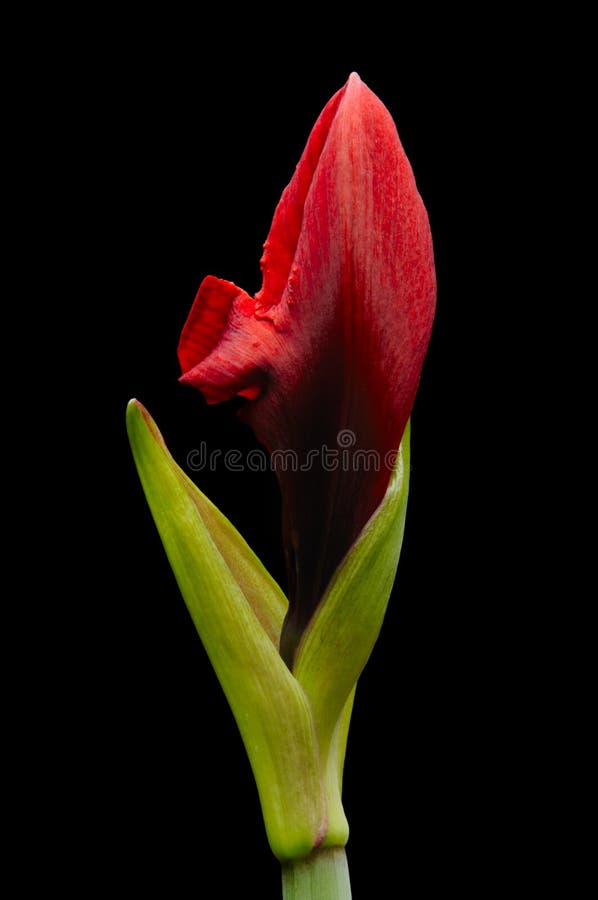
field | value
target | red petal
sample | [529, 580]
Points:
[207, 320]
[216, 349]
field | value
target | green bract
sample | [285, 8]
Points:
[294, 724]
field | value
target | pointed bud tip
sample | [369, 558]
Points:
[357, 92]
[354, 83]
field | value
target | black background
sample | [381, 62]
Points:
[188, 143]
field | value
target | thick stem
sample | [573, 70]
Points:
[324, 875]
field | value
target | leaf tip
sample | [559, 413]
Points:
[140, 425]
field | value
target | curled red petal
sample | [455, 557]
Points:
[331, 349]
[216, 351]
[206, 321]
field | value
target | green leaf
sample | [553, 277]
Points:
[341, 635]
[237, 609]
[337, 832]
[265, 596]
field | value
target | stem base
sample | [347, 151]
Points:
[323, 875]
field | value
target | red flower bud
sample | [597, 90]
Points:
[330, 350]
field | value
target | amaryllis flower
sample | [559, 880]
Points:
[328, 356]
[333, 343]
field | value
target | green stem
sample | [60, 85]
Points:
[323, 875]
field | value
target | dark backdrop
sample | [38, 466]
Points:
[190, 155]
